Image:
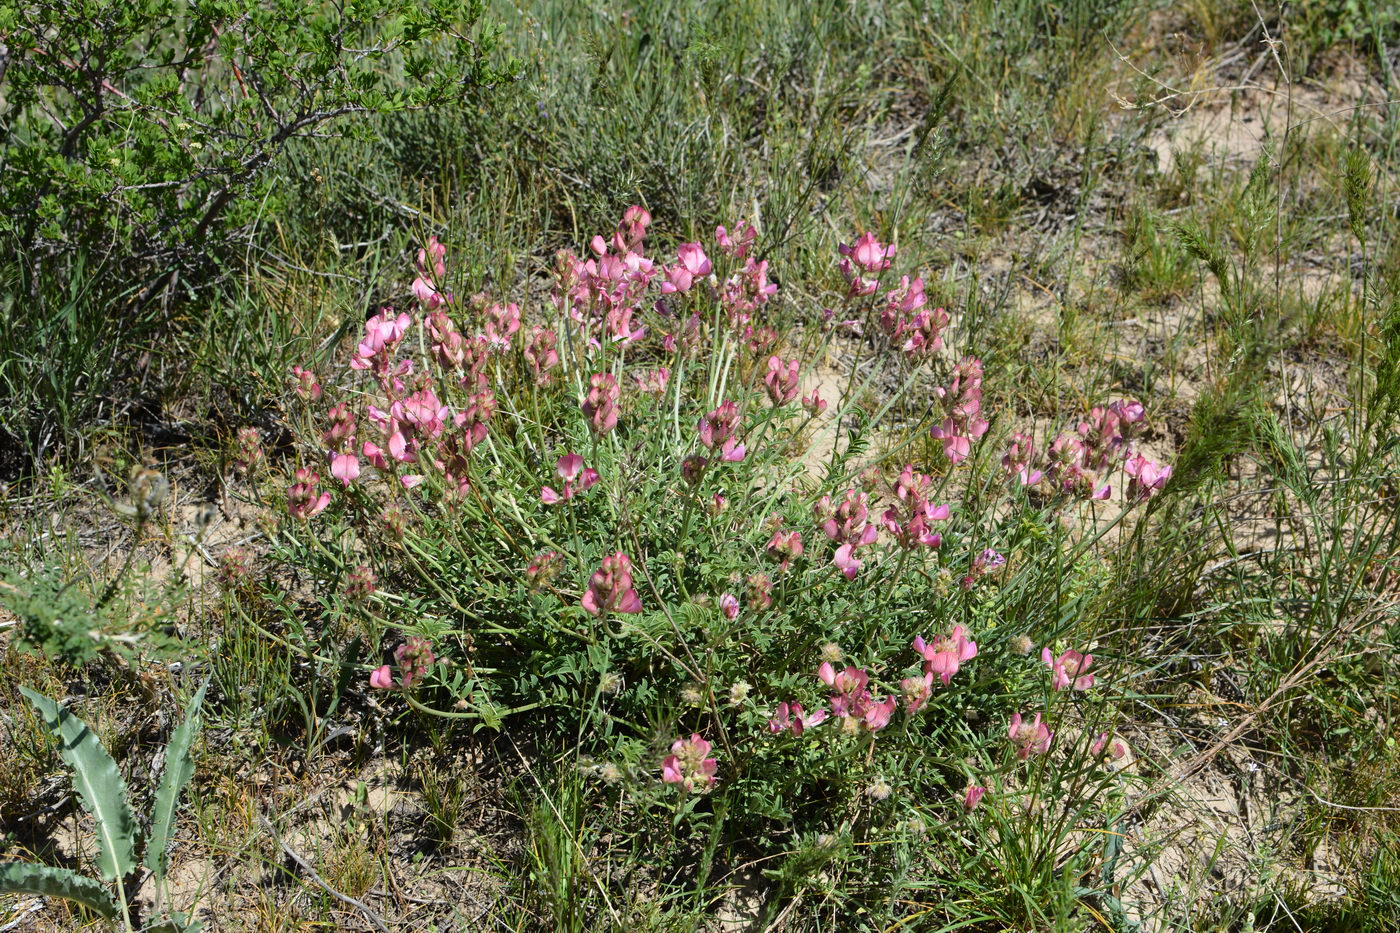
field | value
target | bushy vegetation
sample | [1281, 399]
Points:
[757, 466]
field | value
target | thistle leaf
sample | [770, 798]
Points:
[29, 878]
[99, 785]
[179, 768]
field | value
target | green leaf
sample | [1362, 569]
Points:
[179, 768]
[29, 878]
[99, 785]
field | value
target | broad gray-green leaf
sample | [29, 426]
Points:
[179, 768]
[99, 785]
[29, 878]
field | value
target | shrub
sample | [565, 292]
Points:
[140, 133]
[597, 524]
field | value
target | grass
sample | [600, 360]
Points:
[1243, 619]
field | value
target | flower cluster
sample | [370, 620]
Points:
[1078, 460]
[576, 478]
[689, 765]
[910, 519]
[915, 329]
[610, 588]
[863, 262]
[847, 524]
[852, 701]
[962, 405]
[1070, 669]
[717, 432]
[303, 500]
[412, 660]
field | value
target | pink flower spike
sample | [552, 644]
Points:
[601, 403]
[973, 796]
[781, 381]
[610, 589]
[303, 500]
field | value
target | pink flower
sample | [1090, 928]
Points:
[1069, 669]
[341, 434]
[610, 589]
[1145, 477]
[784, 547]
[345, 467]
[961, 402]
[789, 717]
[569, 468]
[760, 595]
[876, 714]
[946, 654]
[502, 322]
[412, 658]
[632, 230]
[1114, 749]
[692, 264]
[250, 451]
[910, 520]
[693, 468]
[1018, 459]
[689, 765]
[986, 562]
[302, 498]
[601, 404]
[738, 244]
[851, 698]
[382, 333]
[431, 271]
[917, 691]
[916, 330]
[729, 605]
[973, 796]
[717, 430]
[653, 381]
[866, 257]
[781, 380]
[307, 387]
[543, 569]
[360, 582]
[1030, 738]
[847, 524]
[541, 353]
[814, 403]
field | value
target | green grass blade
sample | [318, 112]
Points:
[98, 782]
[179, 768]
[29, 878]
